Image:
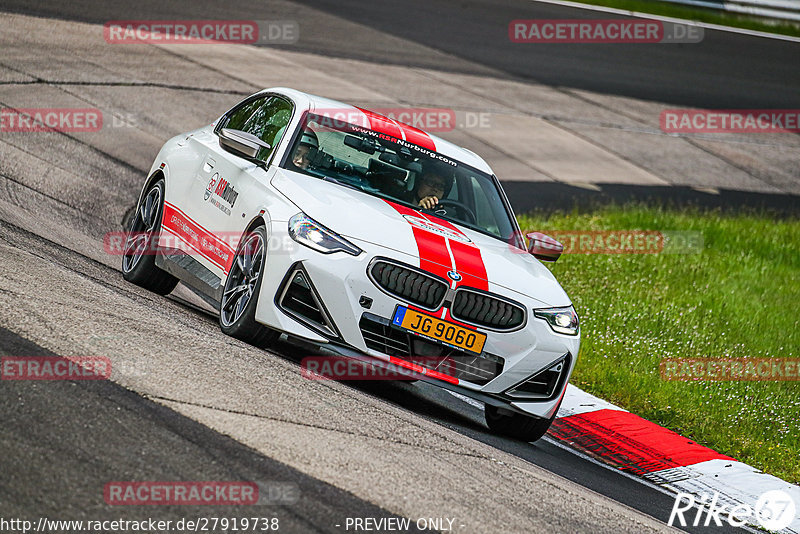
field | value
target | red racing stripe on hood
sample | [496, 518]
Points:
[469, 264]
[467, 257]
[431, 247]
[439, 254]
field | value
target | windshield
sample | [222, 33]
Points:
[384, 166]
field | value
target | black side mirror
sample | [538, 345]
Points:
[543, 247]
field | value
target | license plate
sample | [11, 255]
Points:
[443, 331]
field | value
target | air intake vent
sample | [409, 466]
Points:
[486, 310]
[542, 385]
[300, 300]
[409, 284]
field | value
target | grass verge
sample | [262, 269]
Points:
[735, 298]
[698, 14]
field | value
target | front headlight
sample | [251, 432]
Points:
[561, 320]
[310, 233]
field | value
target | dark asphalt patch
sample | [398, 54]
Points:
[63, 441]
[724, 71]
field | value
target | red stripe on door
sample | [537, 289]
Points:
[198, 238]
[629, 442]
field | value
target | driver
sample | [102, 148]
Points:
[431, 187]
[303, 153]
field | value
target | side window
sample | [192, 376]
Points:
[265, 118]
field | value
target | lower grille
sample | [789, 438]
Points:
[476, 369]
[380, 336]
[384, 338]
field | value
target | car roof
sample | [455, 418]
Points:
[380, 123]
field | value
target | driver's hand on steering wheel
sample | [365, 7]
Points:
[429, 202]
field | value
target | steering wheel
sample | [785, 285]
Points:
[470, 215]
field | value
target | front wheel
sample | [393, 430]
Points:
[138, 259]
[237, 311]
[516, 425]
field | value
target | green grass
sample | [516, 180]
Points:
[739, 296]
[698, 14]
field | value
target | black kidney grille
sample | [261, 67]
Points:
[408, 284]
[485, 310]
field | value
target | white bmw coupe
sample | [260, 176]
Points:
[365, 238]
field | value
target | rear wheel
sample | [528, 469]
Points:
[237, 312]
[138, 259]
[516, 425]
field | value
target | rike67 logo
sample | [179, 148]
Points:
[774, 511]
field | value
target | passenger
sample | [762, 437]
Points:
[306, 149]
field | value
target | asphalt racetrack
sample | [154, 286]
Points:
[188, 403]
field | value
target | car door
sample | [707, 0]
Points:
[228, 186]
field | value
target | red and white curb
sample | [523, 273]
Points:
[637, 446]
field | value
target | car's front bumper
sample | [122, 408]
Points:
[340, 281]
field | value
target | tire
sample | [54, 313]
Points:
[237, 311]
[139, 260]
[516, 425]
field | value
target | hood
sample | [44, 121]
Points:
[437, 245]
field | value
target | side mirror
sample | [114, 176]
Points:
[241, 143]
[543, 247]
